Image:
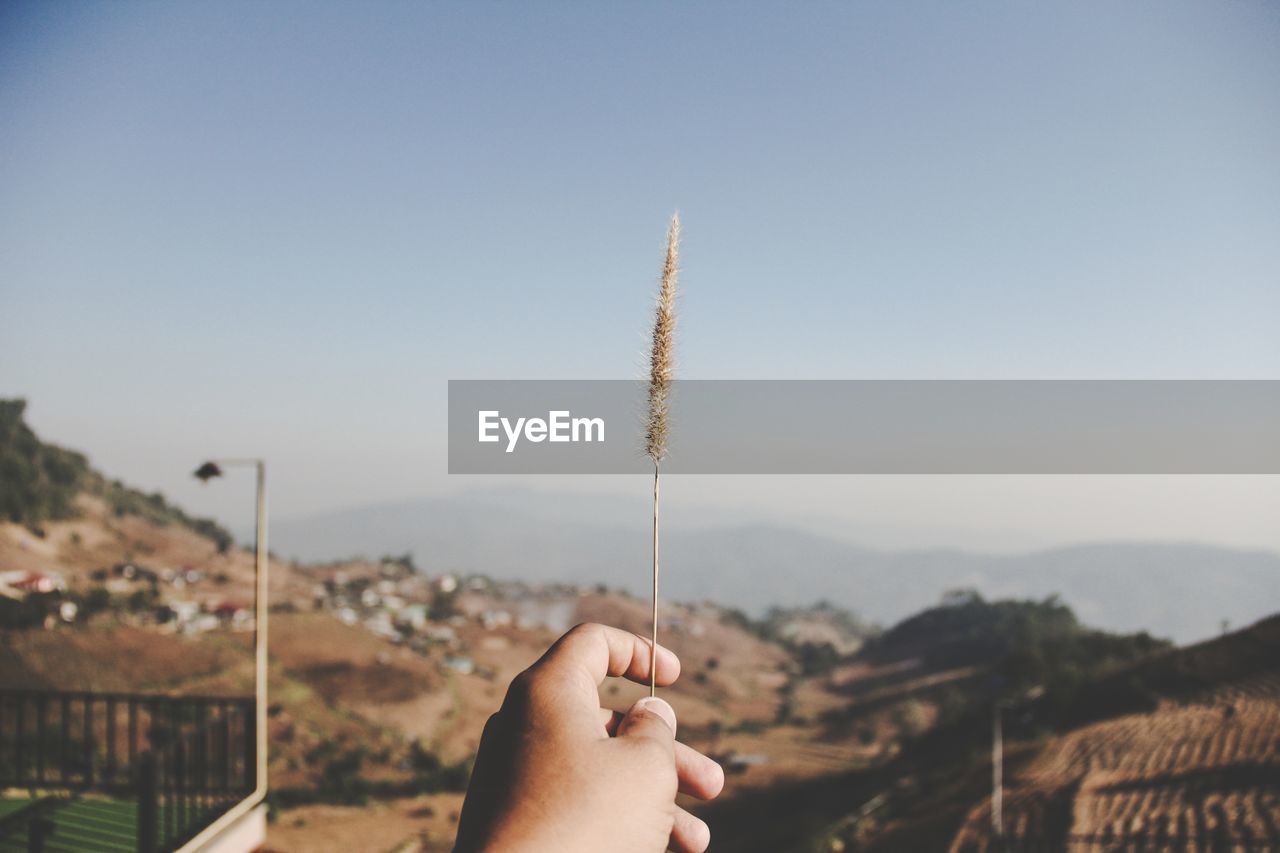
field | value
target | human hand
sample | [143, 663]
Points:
[557, 772]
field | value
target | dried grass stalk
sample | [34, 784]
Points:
[660, 357]
[660, 371]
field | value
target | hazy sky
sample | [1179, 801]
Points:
[278, 229]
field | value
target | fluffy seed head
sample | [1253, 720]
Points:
[660, 357]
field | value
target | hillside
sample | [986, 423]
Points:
[551, 537]
[834, 736]
[382, 674]
[1202, 769]
[1176, 749]
[41, 482]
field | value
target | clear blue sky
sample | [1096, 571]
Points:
[279, 228]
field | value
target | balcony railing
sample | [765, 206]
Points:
[96, 766]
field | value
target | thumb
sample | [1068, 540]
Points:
[650, 717]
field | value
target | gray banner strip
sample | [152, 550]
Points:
[870, 427]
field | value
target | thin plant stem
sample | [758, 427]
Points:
[653, 647]
[660, 369]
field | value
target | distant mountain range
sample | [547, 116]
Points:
[1180, 591]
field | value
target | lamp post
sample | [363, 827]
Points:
[997, 770]
[204, 473]
[997, 756]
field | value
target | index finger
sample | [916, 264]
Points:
[590, 652]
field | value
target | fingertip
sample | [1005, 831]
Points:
[699, 775]
[699, 835]
[668, 666]
[659, 708]
[690, 834]
[715, 781]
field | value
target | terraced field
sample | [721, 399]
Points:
[1202, 774]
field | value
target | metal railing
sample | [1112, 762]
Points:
[182, 759]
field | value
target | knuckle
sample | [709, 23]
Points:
[492, 724]
[583, 629]
[542, 693]
[529, 694]
[520, 689]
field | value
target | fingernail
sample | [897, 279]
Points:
[654, 705]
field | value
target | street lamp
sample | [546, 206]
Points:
[206, 472]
